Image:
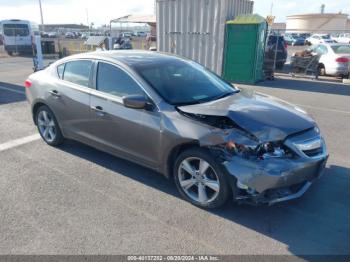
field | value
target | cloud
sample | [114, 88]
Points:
[74, 11]
[102, 11]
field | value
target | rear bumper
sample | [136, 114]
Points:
[338, 70]
[19, 48]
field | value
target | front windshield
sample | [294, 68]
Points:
[182, 82]
[325, 37]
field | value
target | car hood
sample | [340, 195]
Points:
[266, 117]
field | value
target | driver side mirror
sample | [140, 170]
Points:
[137, 102]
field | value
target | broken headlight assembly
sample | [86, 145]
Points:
[256, 152]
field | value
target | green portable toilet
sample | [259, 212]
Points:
[244, 49]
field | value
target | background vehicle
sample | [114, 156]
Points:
[127, 35]
[334, 60]
[319, 39]
[288, 39]
[294, 40]
[343, 38]
[18, 35]
[85, 35]
[299, 40]
[174, 116]
[69, 35]
[141, 34]
[270, 49]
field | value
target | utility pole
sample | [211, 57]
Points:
[87, 17]
[42, 17]
[271, 7]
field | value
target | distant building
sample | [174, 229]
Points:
[318, 23]
[63, 27]
[281, 27]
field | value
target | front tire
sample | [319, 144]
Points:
[200, 179]
[48, 126]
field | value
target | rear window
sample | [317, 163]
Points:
[341, 49]
[78, 72]
[16, 29]
[272, 41]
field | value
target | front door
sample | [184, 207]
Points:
[131, 133]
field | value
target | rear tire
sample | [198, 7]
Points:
[321, 70]
[48, 126]
[200, 179]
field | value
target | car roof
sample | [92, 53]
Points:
[129, 57]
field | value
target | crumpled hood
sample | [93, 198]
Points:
[268, 118]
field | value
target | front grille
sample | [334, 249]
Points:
[313, 152]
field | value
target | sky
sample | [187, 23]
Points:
[102, 11]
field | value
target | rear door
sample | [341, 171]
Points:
[130, 133]
[16, 34]
[69, 97]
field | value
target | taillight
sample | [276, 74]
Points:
[27, 83]
[342, 60]
[285, 45]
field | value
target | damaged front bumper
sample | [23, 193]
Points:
[269, 181]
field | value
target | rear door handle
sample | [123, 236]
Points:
[98, 109]
[54, 93]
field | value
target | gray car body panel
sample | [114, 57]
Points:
[150, 137]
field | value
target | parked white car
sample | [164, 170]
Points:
[319, 39]
[334, 60]
[343, 38]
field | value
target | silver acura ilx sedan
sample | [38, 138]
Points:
[172, 115]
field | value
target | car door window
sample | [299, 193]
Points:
[60, 70]
[115, 81]
[78, 72]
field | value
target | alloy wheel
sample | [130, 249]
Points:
[198, 180]
[47, 126]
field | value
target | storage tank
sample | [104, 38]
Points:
[317, 23]
[196, 28]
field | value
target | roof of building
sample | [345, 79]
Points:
[317, 15]
[136, 19]
[248, 19]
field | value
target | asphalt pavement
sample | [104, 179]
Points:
[77, 200]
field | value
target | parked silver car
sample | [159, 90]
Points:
[174, 116]
[334, 58]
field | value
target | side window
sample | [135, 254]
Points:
[60, 70]
[112, 80]
[78, 72]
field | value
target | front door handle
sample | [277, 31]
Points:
[54, 93]
[98, 109]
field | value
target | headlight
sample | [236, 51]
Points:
[261, 151]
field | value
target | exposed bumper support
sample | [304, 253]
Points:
[292, 196]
